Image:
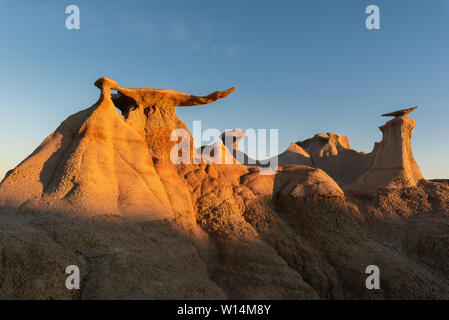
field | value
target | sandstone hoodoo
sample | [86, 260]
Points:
[390, 165]
[101, 162]
[231, 139]
[102, 193]
[393, 164]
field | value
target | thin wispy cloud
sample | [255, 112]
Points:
[228, 51]
[179, 31]
[182, 35]
[201, 38]
[231, 50]
[214, 50]
[137, 25]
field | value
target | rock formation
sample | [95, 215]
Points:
[231, 139]
[333, 154]
[215, 231]
[152, 111]
[216, 153]
[390, 165]
[293, 155]
[99, 161]
[393, 164]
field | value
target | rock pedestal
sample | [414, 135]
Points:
[393, 163]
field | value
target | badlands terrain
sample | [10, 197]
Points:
[102, 193]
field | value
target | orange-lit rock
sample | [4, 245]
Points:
[393, 164]
[101, 193]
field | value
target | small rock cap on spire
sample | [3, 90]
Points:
[106, 83]
[399, 113]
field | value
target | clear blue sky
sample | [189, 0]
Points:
[303, 67]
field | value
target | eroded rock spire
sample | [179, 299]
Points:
[149, 97]
[152, 111]
[393, 164]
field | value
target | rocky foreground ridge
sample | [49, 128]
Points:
[102, 193]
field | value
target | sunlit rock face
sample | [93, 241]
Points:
[94, 163]
[102, 193]
[333, 154]
[101, 162]
[393, 164]
[390, 165]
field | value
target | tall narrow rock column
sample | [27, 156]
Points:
[393, 163]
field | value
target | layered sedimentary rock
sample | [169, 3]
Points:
[393, 164]
[208, 230]
[333, 154]
[94, 163]
[100, 162]
[390, 165]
